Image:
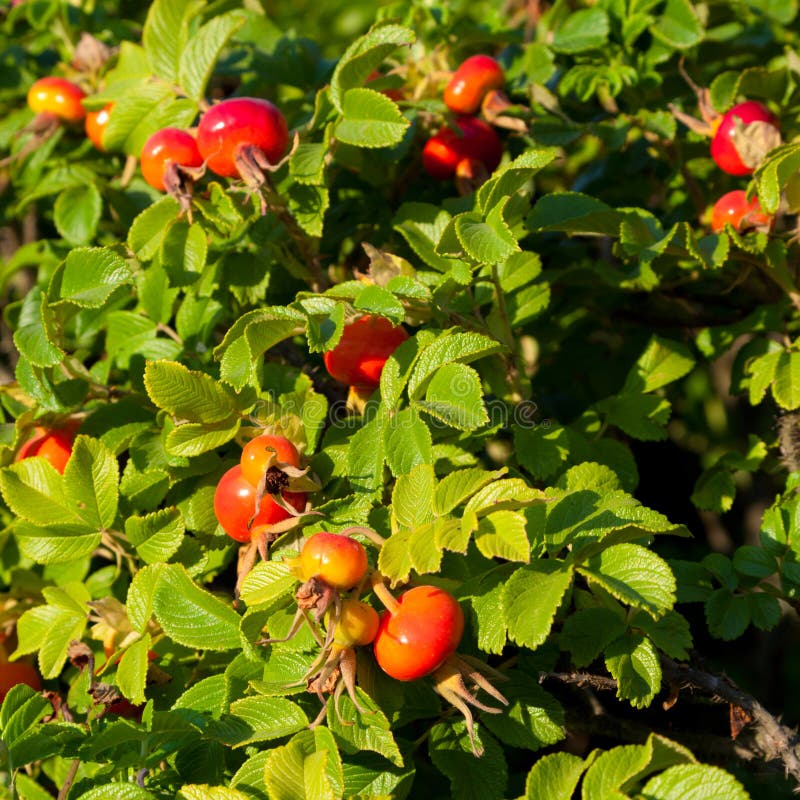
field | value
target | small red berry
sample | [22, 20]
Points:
[470, 83]
[447, 149]
[359, 356]
[420, 635]
[53, 445]
[96, 124]
[236, 123]
[165, 147]
[723, 148]
[735, 209]
[59, 97]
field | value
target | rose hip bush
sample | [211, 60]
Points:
[396, 401]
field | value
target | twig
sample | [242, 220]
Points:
[68, 781]
[776, 741]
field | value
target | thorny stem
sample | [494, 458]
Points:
[772, 740]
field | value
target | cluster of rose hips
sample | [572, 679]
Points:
[468, 149]
[416, 636]
[741, 138]
[264, 494]
[241, 137]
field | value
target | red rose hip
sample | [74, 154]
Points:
[723, 147]
[258, 452]
[235, 504]
[366, 344]
[59, 97]
[470, 83]
[735, 209]
[96, 124]
[448, 148]
[53, 445]
[421, 634]
[335, 559]
[167, 147]
[237, 123]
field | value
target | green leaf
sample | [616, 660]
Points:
[205, 792]
[417, 549]
[727, 614]
[422, 225]
[266, 583]
[183, 252]
[412, 497]
[132, 670]
[715, 490]
[192, 616]
[663, 362]
[786, 385]
[307, 163]
[643, 416]
[260, 719]
[587, 632]
[458, 486]
[141, 594]
[484, 242]
[377, 300]
[31, 337]
[370, 119]
[613, 769]
[193, 439]
[198, 58]
[76, 213]
[571, 212]
[454, 395]
[554, 776]
[634, 575]
[90, 481]
[513, 176]
[670, 633]
[452, 346]
[503, 535]
[486, 597]
[365, 55]
[356, 732]
[90, 275]
[534, 718]
[765, 610]
[148, 229]
[586, 29]
[470, 778]
[187, 394]
[698, 781]
[307, 768]
[531, 598]
[34, 491]
[117, 791]
[678, 26]
[156, 536]
[165, 35]
[541, 450]
[408, 442]
[633, 660]
[365, 457]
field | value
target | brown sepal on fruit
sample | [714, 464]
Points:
[179, 184]
[495, 109]
[754, 140]
[450, 681]
[254, 167]
[706, 126]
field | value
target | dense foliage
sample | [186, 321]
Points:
[550, 402]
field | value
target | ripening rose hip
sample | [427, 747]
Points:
[357, 625]
[235, 504]
[236, 123]
[470, 83]
[13, 673]
[359, 356]
[335, 559]
[165, 147]
[723, 149]
[735, 209]
[420, 635]
[447, 149]
[257, 453]
[59, 97]
[96, 124]
[54, 445]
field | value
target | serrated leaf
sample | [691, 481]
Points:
[454, 396]
[198, 58]
[90, 481]
[786, 384]
[586, 633]
[678, 25]
[187, 394]
[458, 486]
[34, 491]
[356, 732]
[633, 660]
[513, 176]
[205, 792]
[531, 598]
[502, 534]
[365, 457]
[193, 439]
[117, 791]
[727, 614]
[662, 362]
[165, 34]
[365, 55]
[259, 719]
[191, 616]
[156, 536]
[408, 442]
[148, 229]
[571, 212]
[266, 582]
[132, 670]
[31, 337]
[90, 275]
[698, 781]
[554, 776]
[370, 119]
[634, 575]
[586, 29]
[76, 213]
[485, 243]
[612, 769]
[412, 497]
[307, 768]
[470, 778]
[141, 594]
